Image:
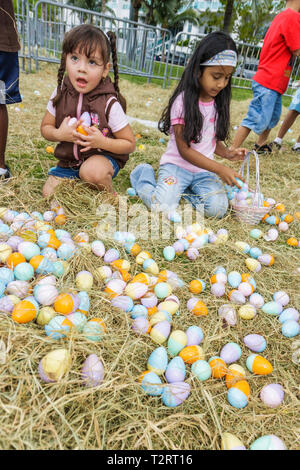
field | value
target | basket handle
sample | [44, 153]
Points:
[257, 199]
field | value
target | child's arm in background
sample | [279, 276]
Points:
[124, 141]
[64, 133]
[226, 174]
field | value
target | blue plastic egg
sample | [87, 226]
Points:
[131, 192]
[201, 370]
[84, 301]
[158, 360]
[151, 383]
[255, 233]
[6, 276]
[60, 233]
[237, 398]
[219, 269]
[175, 371]
[169, 253]
[234, 279]
[49, 253]
[272, 219]
[2, 288]
[290, 328]
[78, 319]
[65, 251]
[269, 442]
[256, 343]
[58, 327]
[174, 394]
[289, 314]
[93, 330]
[29, 250]
[255, 252]
[139, 311]
[272, 308]
[123, 302]
[176, 342]
[24, 272]
[194, 335]
[58, 269]
[184, 242]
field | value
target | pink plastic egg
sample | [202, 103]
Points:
[218, 289]
[141, 325]
[92, 371]
[272, 395]
[245, 288]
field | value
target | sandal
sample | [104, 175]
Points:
[260, 149]
[6, 175]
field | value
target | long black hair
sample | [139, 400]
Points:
[207, 48]
[88, 39]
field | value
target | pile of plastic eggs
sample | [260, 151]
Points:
[243, 197]
[256, 257]
[191, 239]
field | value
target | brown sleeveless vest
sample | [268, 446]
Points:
[94, 103]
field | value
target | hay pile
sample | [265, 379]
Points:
[117, 415]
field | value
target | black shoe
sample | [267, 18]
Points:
[6, 175]
[263, 149]
[297, 150]
[276, 145]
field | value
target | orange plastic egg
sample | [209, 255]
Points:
[292, 241]
[60, 219]
[135, 249]
[266, 204]
[234, 374]
[288, 218]
[265, 217]
[246, 277]
[24, 312]
[259, 365]
[191, 354]
[280, 207]
[152, 310]
[126, 276]
[297, 215]
[120, 264]
[190, 238]
[49, 149]
[200, 309]
[196, 286]
[218, 367]
[36, 261]
[162, 275]
[142, 277]
[14, 259]
[64, 304]
[243, 386]
[53, 242]
[81, 130]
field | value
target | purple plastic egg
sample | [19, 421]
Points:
[256, 343]
[111, 255]
[228, 313]
[237, 297]
[256, 300]
[175, 371]
[281, 297]
[192, 253]
[218, 289]
[149, 300]
[194, 335]
[230, 353]
[272, 395]
[6, 305]
[175, 393]
[141, 325]
[123, 302]
[14, 241]
[178, 247]
[92, 371]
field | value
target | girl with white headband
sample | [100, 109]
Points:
[197, 119]
[86, 112]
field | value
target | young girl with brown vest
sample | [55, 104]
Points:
[86, 112]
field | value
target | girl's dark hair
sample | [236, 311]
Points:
[88, 39]
[208, 47]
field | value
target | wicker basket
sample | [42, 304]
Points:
[251, 215]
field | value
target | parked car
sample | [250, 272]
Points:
[246, 70]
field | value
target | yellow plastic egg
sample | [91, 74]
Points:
[280, 207]
[247, 312]
[141, 277]
[45, 315]
[297, 215]
[5, 252]
[292, 241]
[231, 442]
[84, 280]
[28, 235]
[142, 256]
[234, 374]
[253, 264]
[54, 365]
[169, 305]
[121, 264]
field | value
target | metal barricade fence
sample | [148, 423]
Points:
[143, 50]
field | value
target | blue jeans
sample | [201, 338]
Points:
[264, 110]
[200, 189]
[73, 172]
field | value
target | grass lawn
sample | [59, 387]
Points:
[118, 415]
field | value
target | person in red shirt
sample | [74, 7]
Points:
[281, 45]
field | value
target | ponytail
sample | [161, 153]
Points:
[113, 45]
[60, 77]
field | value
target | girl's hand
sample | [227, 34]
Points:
[94, 140]
[236, 154]
[65, 132]
[229, 176]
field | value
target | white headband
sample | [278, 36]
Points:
[227, 57]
